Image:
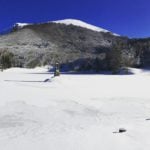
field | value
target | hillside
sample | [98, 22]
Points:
[72, 43]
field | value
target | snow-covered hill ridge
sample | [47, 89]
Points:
[74, 22]
[82, 24]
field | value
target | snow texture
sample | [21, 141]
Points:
[74, 112]
[21, 25]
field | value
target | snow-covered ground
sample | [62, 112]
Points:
[74, 112]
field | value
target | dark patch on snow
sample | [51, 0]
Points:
[121, 130]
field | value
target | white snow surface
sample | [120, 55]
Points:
[74, 112]
[82, 24]
[21, 25]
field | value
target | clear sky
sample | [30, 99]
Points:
[125, 17]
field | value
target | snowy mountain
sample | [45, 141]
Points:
[73, 43]
[82, 24]
[74, 22]
[66, 40]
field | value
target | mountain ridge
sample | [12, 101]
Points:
[75, 22]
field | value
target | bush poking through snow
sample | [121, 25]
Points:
[6, 59]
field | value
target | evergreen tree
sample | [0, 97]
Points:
[114, 58]
[6, 59]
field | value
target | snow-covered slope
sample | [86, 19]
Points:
[73, 22]
[74, 112]
[82, 24]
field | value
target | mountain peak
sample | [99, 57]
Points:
[82, 24]
[74, 22]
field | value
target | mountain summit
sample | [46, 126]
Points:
[82, 24]
[74, 22]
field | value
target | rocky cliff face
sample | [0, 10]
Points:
[75, 47]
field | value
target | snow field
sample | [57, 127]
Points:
[74, 112]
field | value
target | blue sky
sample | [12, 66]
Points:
[125, 17]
